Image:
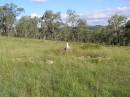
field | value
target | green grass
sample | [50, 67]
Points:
[87, 70]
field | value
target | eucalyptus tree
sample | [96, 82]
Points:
[8, 14]
[72, 23]
[82, 31]
[116, 23]
[27, 27]
[51, 22]
[127, 33]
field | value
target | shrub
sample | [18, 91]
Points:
[90, 46]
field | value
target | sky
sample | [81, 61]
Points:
[95, 12]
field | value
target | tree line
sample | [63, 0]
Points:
[51, 26]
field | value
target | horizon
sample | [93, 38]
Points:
[95, 12]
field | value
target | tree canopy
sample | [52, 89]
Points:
[52, 26]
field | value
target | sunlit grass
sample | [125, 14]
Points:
[87, 70]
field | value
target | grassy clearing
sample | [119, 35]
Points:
[88, 70]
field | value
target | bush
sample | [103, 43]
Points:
[90, 46]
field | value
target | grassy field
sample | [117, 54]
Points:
[39, 68]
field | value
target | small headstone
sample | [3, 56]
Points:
[49, 61]
[67, 47]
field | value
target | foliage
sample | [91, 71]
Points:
[127, 32]
[8, 14]
[27, 27]
[116, 24]
[52, 23]
[90, 46]
[52, 26]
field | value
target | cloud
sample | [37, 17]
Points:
[39, 1]
[34, 15]
[63, 17]
[101, 17]
[19, 17]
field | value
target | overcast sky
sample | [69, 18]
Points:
[96, 12]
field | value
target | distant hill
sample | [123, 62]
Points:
[95, 27]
